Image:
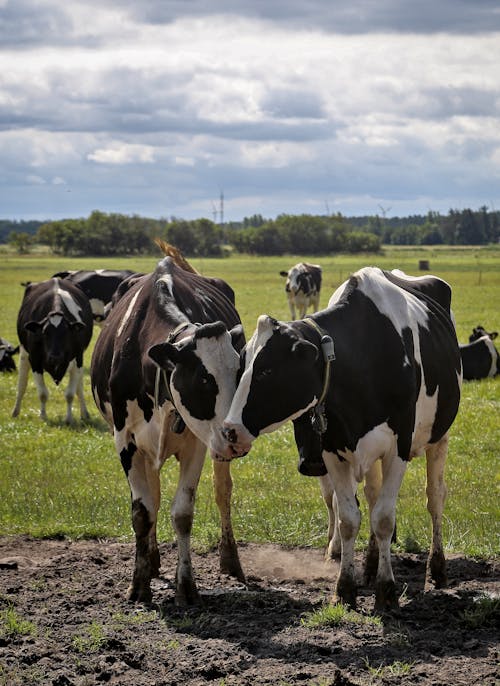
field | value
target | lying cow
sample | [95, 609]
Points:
[480, 359]
[163, 374]
[303, 286]
[98, 285]
[54, 327]
[378, 374]
[7, 352]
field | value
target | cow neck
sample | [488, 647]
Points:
[327, 348]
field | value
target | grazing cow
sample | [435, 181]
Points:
[54, 327]
[98, 285]
[479, 331]
[480, 359]
[378, 373]
[7, 352]
[163, 374]
[303, 285]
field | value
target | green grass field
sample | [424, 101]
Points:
[58, 480]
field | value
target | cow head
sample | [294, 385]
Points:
[7, 352]
[479, 331]
[281, 380]
[54, 336]
[202, 371]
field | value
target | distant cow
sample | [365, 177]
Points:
[479, 331]
[54, 327]
[163, 374]
[303, 286]
[480, 359]
[376, 376]
[98, 285]
[7, 352]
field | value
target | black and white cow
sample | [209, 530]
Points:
[54, 327]
[479, 331]
[98, 285]
[303, 286]
[480, 359]
[7, 352]
[163, 375]
[385, 390]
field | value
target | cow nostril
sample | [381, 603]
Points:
[229, 435]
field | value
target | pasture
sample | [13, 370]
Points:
[67, 481]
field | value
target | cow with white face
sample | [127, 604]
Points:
[303, 286]
[54, 327]
[163, 375]
[378, 376]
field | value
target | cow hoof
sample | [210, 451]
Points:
[232, 567]
[436, 571]
[186, 593]
[139, 594]
[345, 593]
[385, 597]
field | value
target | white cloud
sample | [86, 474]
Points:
[123, 153]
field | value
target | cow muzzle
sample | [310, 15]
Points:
[237, 440]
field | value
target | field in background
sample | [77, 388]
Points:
[59, 480]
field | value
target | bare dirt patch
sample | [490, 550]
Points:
[81, 631]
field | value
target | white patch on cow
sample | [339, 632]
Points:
[97, 307]
[259, 339]
[3, 352]
[425, 413]
[69, 303]
[377, 443]
[55, 320]
[129, 311]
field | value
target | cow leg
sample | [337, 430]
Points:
[228, 551]
[334, 544]
[43, 393]
[436, 496]
[349, 518]
[22, 379]
[383, 517]
[75, 387]
[191, 459]
[144, 481]
[373, 484]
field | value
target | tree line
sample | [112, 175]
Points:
[118, 234]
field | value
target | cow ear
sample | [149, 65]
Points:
[283, 273]
[305, 351]
[237, 337]
[493, 335]
[33, 327]
[166, 355]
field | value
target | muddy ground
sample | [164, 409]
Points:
[81, 631]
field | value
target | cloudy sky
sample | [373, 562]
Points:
[155, 107]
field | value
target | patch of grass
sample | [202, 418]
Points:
[91, 641]
[484, 612]
[395, 669]
[335, 615]
[12, 625]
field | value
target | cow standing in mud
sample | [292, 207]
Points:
[54, 327]
[163, 375]
[375, 378]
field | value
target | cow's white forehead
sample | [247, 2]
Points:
[217, 353]
[69, 303]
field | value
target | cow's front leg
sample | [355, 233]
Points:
[334, 546]
[191, 459]
[349, 518]
[43, 393]
[383, 518]
[22, 379]
[436, 496]
[228, 550]
[75, 387]
[144, 481]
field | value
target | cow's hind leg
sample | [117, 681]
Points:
[191, 459]
[373, 484]
[75, 387]
[334, 543]
[436, 496]
[144, 481]
[228, 550]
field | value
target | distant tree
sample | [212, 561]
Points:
[21, 241]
